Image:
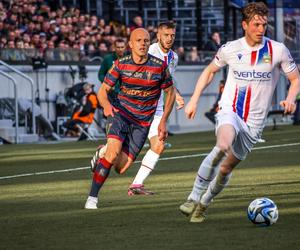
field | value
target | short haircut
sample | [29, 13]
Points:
[119, 40]
[252, 9]
[168, 25]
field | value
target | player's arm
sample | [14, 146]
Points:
[289, 103]
[168, 106]
[203, 81]
[179, 99]
[109, 82]
[103, 100]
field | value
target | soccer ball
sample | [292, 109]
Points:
[262, 212]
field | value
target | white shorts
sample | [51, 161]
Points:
[153, 131]
[246, 136]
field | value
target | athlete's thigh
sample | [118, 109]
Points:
[226, 135]
[116, 135]
[135, 140]
[153, 131]
[245, 141]
[226, 129]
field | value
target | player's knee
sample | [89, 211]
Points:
[111, 156]
[158, 148]
[225, 169]
[224, 147]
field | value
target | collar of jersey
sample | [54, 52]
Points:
[258, 47]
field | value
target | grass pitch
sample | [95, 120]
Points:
[46, 211]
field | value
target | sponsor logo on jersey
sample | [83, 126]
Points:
[252, 74]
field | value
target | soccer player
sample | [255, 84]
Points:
[143, 77]
[254, 62]
[162, 50]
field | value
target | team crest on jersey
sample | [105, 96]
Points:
[239, 56]
[266, 58]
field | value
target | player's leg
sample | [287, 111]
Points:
[102, 171]
[150, 159]
[207, 171]
[100, 151]
[132, 146]
[116, 136]
[215, 187]
[242, 145]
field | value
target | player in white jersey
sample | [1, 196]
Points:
[254, 62]
[162, 50]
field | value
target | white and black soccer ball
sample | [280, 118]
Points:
[263, 212]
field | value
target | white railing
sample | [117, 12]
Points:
[16, 104]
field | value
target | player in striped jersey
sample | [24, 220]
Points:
[162, 50]
[143, 77]
[254, 62]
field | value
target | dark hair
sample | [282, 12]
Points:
[168, 25]
[252, 9]
[119, 40]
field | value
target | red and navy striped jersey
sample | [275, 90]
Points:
[141, 85]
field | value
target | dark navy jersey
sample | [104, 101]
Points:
[141, 87]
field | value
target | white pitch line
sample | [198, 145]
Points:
[162, 159]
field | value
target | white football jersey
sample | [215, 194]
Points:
[171, 58]
[253, 73]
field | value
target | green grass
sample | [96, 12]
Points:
[45, 211]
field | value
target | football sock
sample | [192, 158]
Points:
[206, 173]
[215, 187]
[101, 173]
[148, 164]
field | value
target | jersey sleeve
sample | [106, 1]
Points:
[113, 74]
[287, 62]
[173, 66]
[220, 58]
[167, 79]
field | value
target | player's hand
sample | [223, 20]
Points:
[179, 101]
[109, 111]
[162, 131]
[289, 107]
[190, 110]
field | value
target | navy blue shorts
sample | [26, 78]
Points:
[131, 134]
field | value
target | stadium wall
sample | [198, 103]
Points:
[58, 78]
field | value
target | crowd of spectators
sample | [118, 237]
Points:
[30, 28]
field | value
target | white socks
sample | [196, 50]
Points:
[148, 163]
[215, 187]
[206, 173]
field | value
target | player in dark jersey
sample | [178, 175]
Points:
[143, 77]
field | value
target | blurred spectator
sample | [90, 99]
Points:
[137, 22]
[181, 54]
[193, 55]
[214, 43]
